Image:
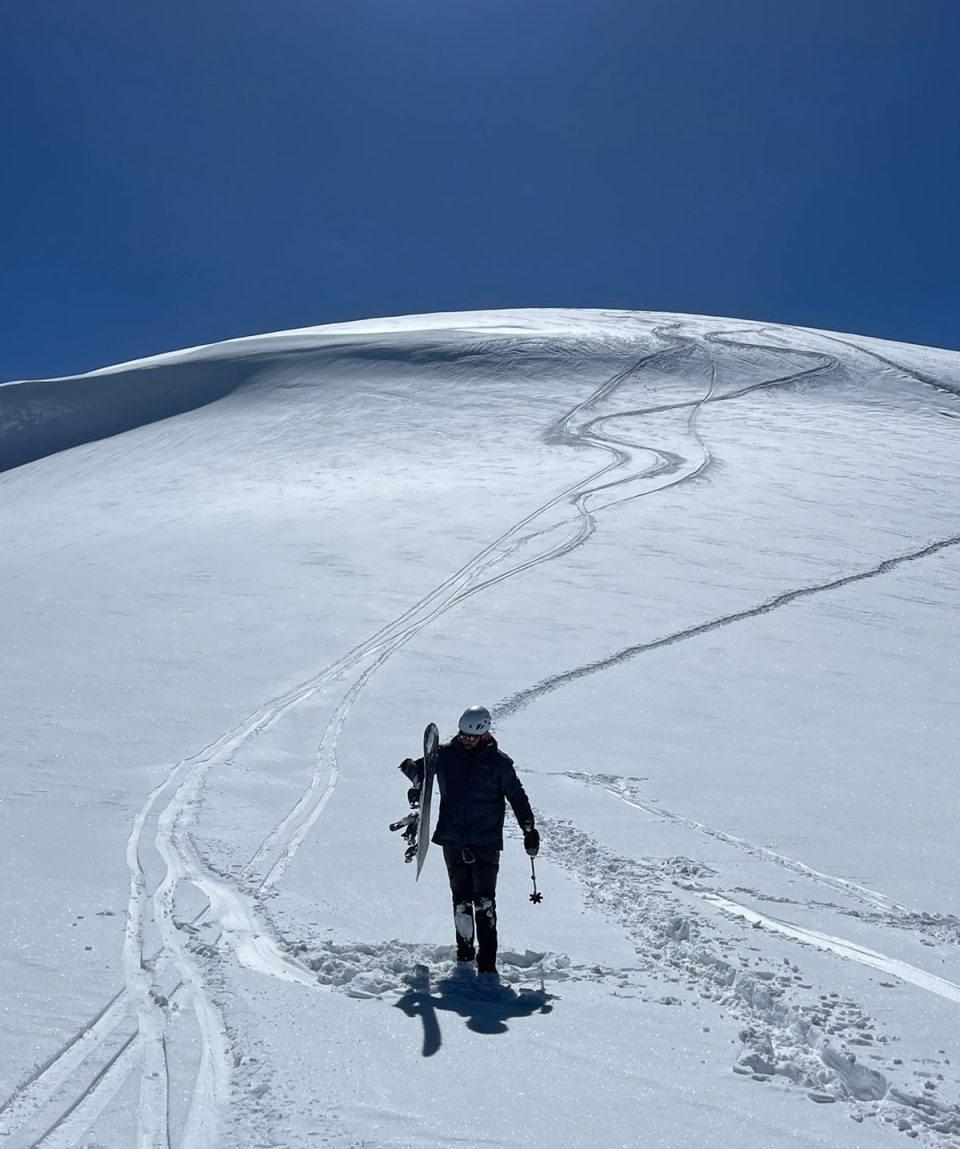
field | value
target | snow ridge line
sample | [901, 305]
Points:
[523, 698]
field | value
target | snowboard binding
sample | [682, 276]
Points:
[410, 826]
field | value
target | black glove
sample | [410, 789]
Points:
[413, 795]
[410, 770]
[531, 842]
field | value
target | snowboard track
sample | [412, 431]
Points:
[936, 928]
[523, 698]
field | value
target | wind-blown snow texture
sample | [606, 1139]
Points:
[705, 573]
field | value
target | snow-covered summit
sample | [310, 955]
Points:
[703, 571]
[40, 417]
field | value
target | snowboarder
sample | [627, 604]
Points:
[476, 780]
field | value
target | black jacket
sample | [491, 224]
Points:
[475, 786]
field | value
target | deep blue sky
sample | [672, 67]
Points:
[176, 173]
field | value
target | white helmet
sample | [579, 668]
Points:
[475, 720]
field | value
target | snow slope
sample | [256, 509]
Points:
[704, 571]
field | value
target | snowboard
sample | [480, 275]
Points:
[431, 743]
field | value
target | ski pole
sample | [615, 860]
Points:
[535, 897]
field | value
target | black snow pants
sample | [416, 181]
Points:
[473, 883]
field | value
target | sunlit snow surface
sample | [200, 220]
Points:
[705, 572]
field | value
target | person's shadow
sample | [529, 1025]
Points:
[484, 1014]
